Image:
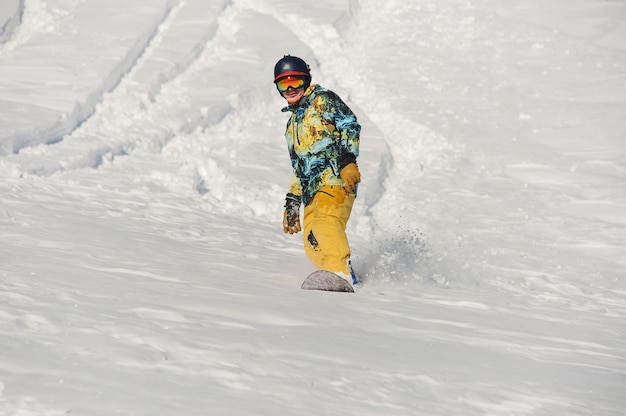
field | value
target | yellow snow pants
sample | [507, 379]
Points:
[325, 219]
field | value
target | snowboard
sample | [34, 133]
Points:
[323, 280]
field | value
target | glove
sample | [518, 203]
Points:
[291, 217]
[350, 176]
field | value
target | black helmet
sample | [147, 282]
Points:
[291, 65]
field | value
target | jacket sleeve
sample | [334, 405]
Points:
[341, 116]
[295, 188]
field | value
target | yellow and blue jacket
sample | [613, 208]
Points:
[322, 137]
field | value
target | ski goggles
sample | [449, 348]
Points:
[291, 81]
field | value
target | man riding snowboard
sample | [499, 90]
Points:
[323, 141]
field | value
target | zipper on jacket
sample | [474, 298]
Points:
[294, 129]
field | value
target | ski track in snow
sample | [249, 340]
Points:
[151, 203]
[11, 12]
[40, 21]
[101, 137]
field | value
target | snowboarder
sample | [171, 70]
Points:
[323, 141]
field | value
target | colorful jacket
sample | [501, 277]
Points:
[322, 137]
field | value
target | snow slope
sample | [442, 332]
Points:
[143, 270]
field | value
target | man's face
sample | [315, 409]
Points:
[293, 95]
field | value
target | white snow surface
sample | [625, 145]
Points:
[143, 267]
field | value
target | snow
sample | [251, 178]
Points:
[143, 268]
